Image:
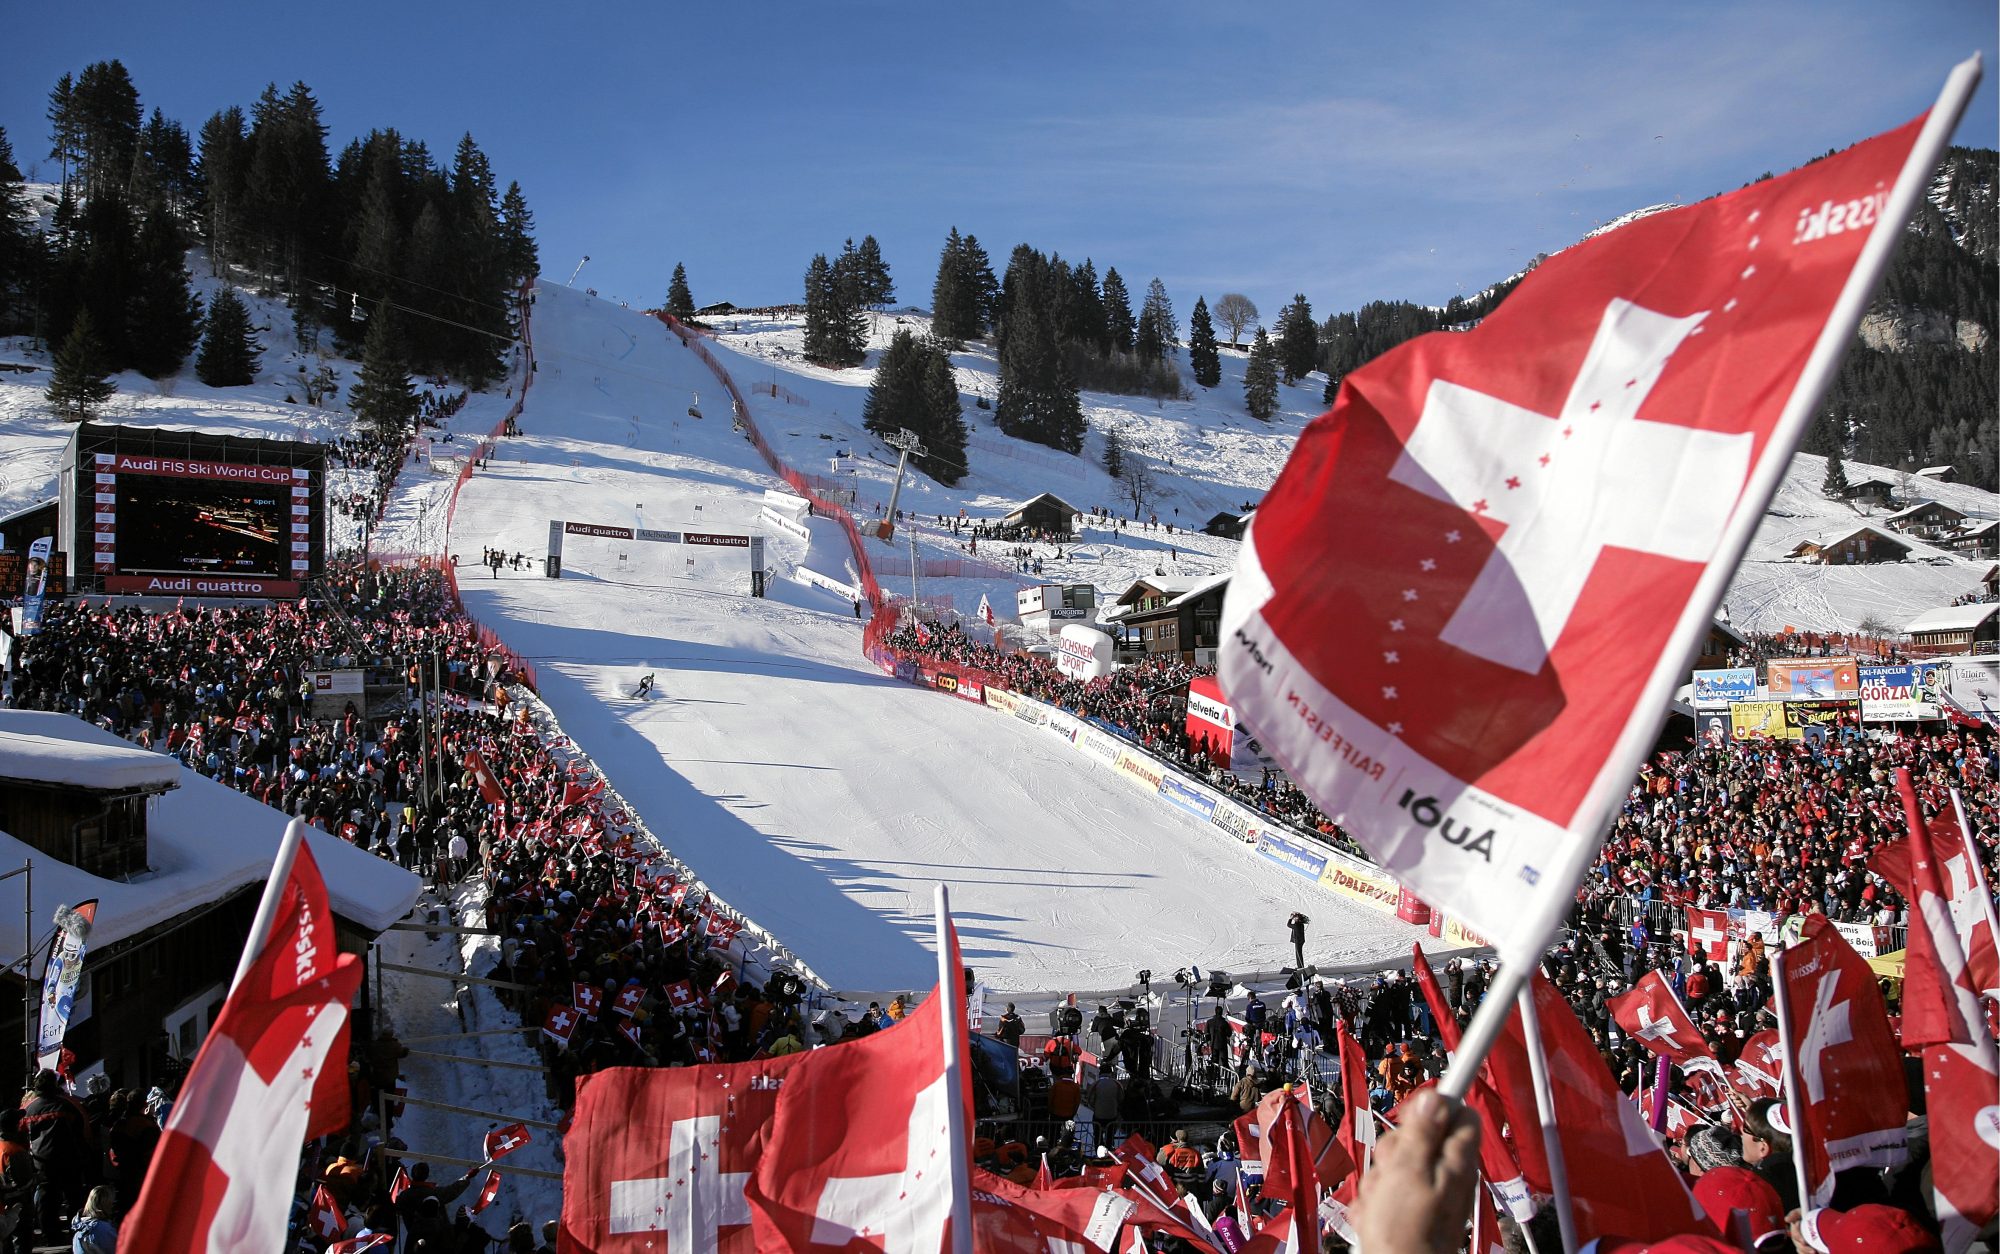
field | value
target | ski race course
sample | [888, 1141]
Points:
[810, 791]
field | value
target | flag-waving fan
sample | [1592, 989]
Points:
[271, 1075]
[868, 1149]
[1498, 1162]
[1951, 940]
[1654, 1017]
[1843, 1070]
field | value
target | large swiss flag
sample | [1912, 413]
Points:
[1463, 606]
[657, 1158]
[271, 1075]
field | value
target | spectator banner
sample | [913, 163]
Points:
[1864, 938]
[1083, 652]
[1812, 721]
[1898, 694]
[1812, 679]
[1534, 521]
[35, 591]
[1714, 690]
[1973, 685]
[1139, 769]
[1711, 726]
[1751, 719]
[1362, 882]
[1292, 854]
[60, 973]
[1195, 800]
[1002, 700]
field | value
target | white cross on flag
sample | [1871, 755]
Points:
[560, 1025]
[629, 999]
[1461, 611]
[681, 995]
[656, 1158]
[589, 999]
[271, 1075]
[1709, 929]
[1654, 1017]
[1849, 1067]
[501, 1142]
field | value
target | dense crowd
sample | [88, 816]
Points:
[380, 455]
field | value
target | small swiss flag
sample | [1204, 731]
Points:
[487, 1192]
[629, 999]
[399, 1184]
[671, 930]
[681, 996]
[589, 1000]
[327, 1221]
[501, 1142]
[560, 1025]
[360, 1244]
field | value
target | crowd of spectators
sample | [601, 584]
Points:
[379, 455]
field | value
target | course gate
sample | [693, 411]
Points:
[753, 545]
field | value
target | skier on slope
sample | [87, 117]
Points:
[645, 687]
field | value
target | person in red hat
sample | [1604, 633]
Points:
[1865, 1229]
[1723, 1185]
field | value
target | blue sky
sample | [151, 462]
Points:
[1348, 151]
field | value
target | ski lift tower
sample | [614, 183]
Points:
[907, 441]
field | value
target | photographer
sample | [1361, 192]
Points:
[1297, 924]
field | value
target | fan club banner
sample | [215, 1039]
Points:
[1714, 690]
[60, 975]
[1525, 515]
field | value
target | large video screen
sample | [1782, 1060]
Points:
[172, 526]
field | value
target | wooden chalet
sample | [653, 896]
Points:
[1175, 615]
[1871, 489]
[1930, 520]
[1861, 546]
[1955, 629]
[1047, 513]
[1978, 540]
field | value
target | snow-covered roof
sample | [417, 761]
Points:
[1979, 529]
[1920, 505]
[1046, 496]
[1207, 585]
[203, 840]
[1165, 585]
[1935, 470]
[1863, 530]
[1953, 618]
[25, 510]
[62, 759]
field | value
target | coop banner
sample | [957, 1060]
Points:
[1714, 690]
[1750, 719]
[1898, 694]
[1812, 679]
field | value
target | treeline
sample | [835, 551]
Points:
[384, 226]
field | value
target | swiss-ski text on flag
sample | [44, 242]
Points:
[1462, 590]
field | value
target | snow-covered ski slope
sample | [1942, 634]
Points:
[813, 793]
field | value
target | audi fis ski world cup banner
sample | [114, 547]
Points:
[1535, 520]
[175, 513]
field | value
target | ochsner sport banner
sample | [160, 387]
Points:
[36, 586]
[59, 977]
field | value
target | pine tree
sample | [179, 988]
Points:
[1038, 398]
[1298, 340]
[106, 110]
[20, 248]
[872, 274]
[894, 400]
[680, 301]
[81, 382]
[953, 307]
[914, 389]
[1118, 323]
[1091, 330]
[1835, 484]
[225, 172]
[836, 331]
[229, 351]
[162, 317]
[944, 433]
[1114, 454]
[65, 145]
[1260, 378]
[382, 398]
[976, 274]
[517, 236]
[1156, 333]
[1203, 354]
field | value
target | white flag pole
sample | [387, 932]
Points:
[1795, 1109]
[951, 993]
[1600, 804]
[1981, 893]
[1545, 1110]
[274, 894]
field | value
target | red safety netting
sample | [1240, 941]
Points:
[884, 615]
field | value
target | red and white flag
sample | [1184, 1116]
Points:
[681, 995]
[399, 1184]
[1651, 1015]
[985, 610]
[501, 1142]
[1472, 589]
[589, 999]
[489, 786]
[324, 1214]
[629, 999]
[1322, 1146]
[1357, 1127]
[1848, 1066]
[362, 1243]
[1498, 1163]
[1950, 921]
[1709, 931]
[1141, 1162]
[1759, 1067]
[667, 1152]
[1621, 1181]
[271, 1075]
[560, 1025]
[487, 1192]
[862, 1154]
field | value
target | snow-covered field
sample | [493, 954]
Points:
[810, 791]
